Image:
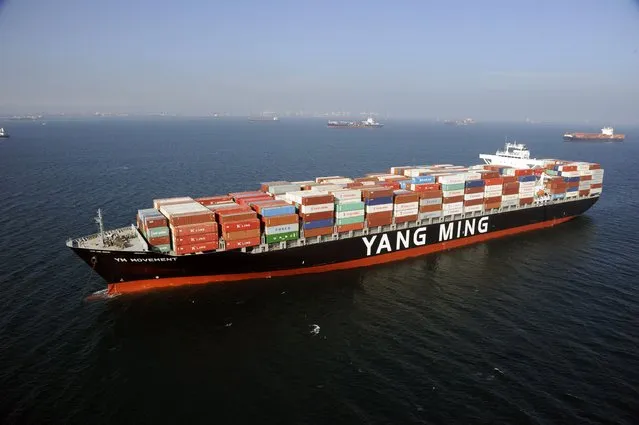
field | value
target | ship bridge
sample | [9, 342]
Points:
[513, 154]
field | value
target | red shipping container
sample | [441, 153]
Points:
[510, 179]
[243, 243]
[526, 201]
[241, 234]
[406, 198]
[478, 189]
[538, 171]
[511, 185]
[232, 210]
[324, 215]
[524, 172]
[585, 178]
[430, 194]
[234, 226]
[596, 186]
[510, 192]
[212, 200]
[430, 208]
[421, 187]
[249, 199]
[489, 175]
[195, 239]
[569, 168]
[251, 193]
[392, 184]
[200, 247]
[572, 184]
[160, 240]
[366, 179]
[194, 229]
[472, 202]
[406, 218]
[453, 199]
[492, 205]
[281, 220]
[318, 199]
[348, 227]
[197, 218]
[378, 221]
[494, 181]
[152, 222]
[227, 218]
[309, 233]
[492, 199]
[374, 192]
[594, 167]
[584, 192]
[354, 185]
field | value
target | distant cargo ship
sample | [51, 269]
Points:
[264, 118]
[3, 134]
[369, 123]
[607, 134]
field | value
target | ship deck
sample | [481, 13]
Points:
[122, 239]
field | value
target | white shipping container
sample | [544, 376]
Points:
[327, 187]
[350, 214]
[584, 185]
[473, 196]
[583, 166]
[284, 228]
[406, 213]
[508, 172]
[452, 193]
[473, 176]
[281, 197]
[431, 214]
[317, 179]
[158, 202]
[393, 170]
[526, 195]
[572, 194]
[454, 205]
[414, 172]
[595, 191]
[430, 201]
[379, 208]
[509, 203]
[514, 197]
[494, 187]
[526, 185]
[451, 179]
[474, 208]
[348, 194]
[492, 194]
[598, 172]
[309, 209]
[454, 211]
[186, 208]
[570, 174]
[596, 180]
[406, 206]
[343, 180]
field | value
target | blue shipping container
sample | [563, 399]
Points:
[380, 201]
[572, 189]
[281, 210]
[423, 179]
[316, 224]
[523, 179]
[475, 183]
[559, 196]
[571, 179]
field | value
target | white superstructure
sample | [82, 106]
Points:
[513, 154]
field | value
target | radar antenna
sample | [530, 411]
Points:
[100, 223]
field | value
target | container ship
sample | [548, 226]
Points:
[368, 123]
[607, 135]
[334, 222]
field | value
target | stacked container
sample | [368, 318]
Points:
[279, 219]
[510, 191]
[349, 210]
[474, 195]
[493, 190]
[405, 206]
[378, 201]
[316, 211]
[453, 186]
[556, 187]
[208, 201]
[597, 179]
[430, 203]
[193, 227]
[526, 189]
[240, 227]
[278, 189]
[154, 227]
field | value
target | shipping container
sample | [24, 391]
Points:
[453, 199]
[476, 189]
[280, 220]
[320, 231]
[317, 216]
[157, 232]
[160, 240]
[428, 194]
[243, 243]
[282, 237]
[430, 208]
[349, 220]
[371, 209]
[241, 225]
[194, 229]
[223, 217]
[354, 206]
[349, 227]
[317, 223]
[194, 239]
[157, 203]
[284, 228]
[241, 234]
[198, 247]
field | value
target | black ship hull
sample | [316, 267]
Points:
[129, 271]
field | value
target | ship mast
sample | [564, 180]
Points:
[100, 222]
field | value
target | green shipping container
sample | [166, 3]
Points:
[353, 206]
[158, 232]
[281, 237]
[350, 220]
[162, 248]
[552, 172]
[456, 186]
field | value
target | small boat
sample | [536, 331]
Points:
[3, 134]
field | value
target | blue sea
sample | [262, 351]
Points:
[539, 328]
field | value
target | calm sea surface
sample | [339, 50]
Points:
[541, 328]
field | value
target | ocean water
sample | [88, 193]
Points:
[539, 328]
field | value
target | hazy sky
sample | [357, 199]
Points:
[490, 59]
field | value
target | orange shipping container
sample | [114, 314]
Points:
[430, 194]
[309, 233]
[596, 186]
[509, 179]
[421, 187]
[318, 199]
[584, 192]
[348, 227]
[194, 229]
[492, 199]
[227, 218]
[242, 243]
[281, 220]
[406, 198]
[195, 239]
[477, 189]
[494, 181]
[526, 201]
[406, 218]
[472, 202]
[492, 205]
[430, 208]
[453, 199]
[242, 234]
[234, 226]
[200, 247]
[324, 215]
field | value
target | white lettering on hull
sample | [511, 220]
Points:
[145, 260]
[402, 240]
[463, 228]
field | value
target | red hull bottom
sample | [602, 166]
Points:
[145, 285]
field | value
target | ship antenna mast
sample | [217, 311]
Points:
[100, 222]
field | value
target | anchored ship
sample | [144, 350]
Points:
[332, 223]
[368, 123]
[262, 118]
[607, 135]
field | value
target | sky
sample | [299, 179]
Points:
[503, 60]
